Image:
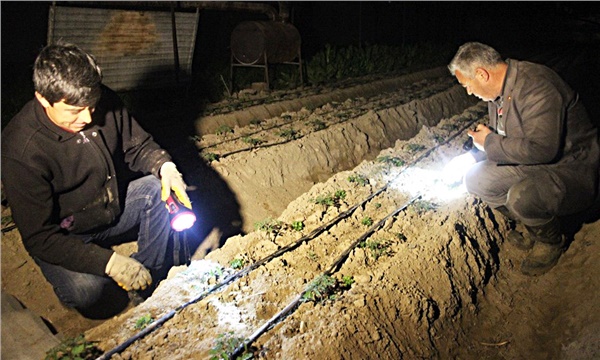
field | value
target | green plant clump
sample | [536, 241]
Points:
[359, 179]
[224, 129]
[226, 344]
[322, 288]
[289, 134]
[331, 200]
[210, 157]
[347, 281]
[144, 321]
[77, 348]
[367, 221]
[269, 225]
[423, 206]
[378, 248]
[252, 141]
[318, 125]
[298, 225]
[413, 148]
[390, 160]
[237, 263]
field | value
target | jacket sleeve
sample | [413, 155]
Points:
[539, 110]
[28, 193]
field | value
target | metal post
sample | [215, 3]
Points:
[175, 48]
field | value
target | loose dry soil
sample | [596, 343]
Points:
[433, 276]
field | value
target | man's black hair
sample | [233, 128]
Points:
[65, 72]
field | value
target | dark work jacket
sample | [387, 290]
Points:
[50, 174]
[544, 124]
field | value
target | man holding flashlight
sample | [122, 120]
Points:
[539, 158]
[81, 175]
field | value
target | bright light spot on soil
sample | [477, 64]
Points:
[429, 184]
[229, 315]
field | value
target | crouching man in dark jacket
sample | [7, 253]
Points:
[538, 159]
[80, 175]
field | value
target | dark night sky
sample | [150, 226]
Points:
[507, 26]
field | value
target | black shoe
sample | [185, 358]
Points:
[520, 241]
[542, 258]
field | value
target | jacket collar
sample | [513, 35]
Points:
[50, 128]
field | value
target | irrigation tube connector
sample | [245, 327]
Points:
[313, 234]
[332, 269]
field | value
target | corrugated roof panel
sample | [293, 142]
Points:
[133, 48]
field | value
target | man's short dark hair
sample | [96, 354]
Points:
[473, 55]
[65, 72]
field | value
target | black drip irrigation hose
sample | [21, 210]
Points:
[332, 269]
[363, 109]
[8, 228]
[313, 234]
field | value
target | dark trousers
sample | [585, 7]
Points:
[534, 194]
[144, 217]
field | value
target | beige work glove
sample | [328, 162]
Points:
[171, 179]
[129, 273]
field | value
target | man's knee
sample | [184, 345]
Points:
[533, 199]
[477, 180]
[81, 290]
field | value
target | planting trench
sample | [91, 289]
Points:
[445, 262]
[445, 285]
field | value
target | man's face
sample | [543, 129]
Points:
[69, 117]
[477, 85]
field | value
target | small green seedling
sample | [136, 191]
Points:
[312, 256]
[390, 160]
[359, 179]
[347, 281]
[413, 148]
[439, 138]
[77, 348]
[298, 225]
[367, 221]
[320, 289]
[224, 129]
[422, 206]
[401, 237]
[317, 125]
[237, 263]
[377, 205]
[289, 134]
[331, 200]
[340, 194]
[226, 344]
[252, 141]
[255, 122]
[378, 248]
[210, 157]
[144, 321]
[215, 272]
[269, 225]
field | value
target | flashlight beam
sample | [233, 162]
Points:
[313, 234]
[332, 269]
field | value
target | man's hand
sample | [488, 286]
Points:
[129, 273]
[171, 179]
[456, 169]
[479, 135]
